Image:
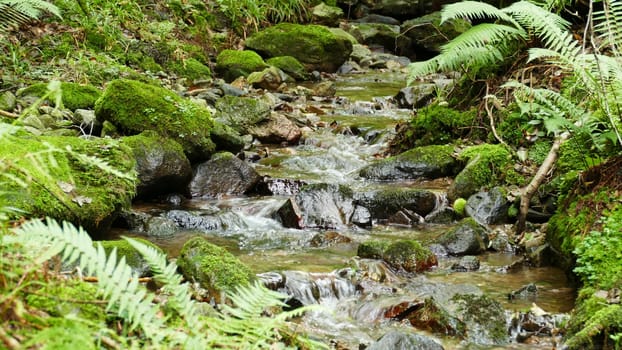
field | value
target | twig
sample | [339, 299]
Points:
[8, 114]
[492, 118]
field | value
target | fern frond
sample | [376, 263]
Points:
[475, 10]
[482, 35]
[422, 68]
[14, 13]
[608, 25]
[126, 296]
[166, 273]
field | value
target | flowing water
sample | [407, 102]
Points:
[355, 133]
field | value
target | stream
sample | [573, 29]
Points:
[320, 270]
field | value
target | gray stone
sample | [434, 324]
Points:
[224, 174]
[398, 340]
[289, 215]
[489, 207]
[8, 101]
[326, 206]
[326, 15]
[383, 35]
[467, 238]
[415, 96]
[384, 203]
[466, 263]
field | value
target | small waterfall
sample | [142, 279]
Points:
[311, 288]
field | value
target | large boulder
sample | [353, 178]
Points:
[314, 46]
[231, 64]
[289, 65]
[161, 164]
[74, 188]
[428, 162]
[467, 238]
[134, 107]
[223, 174]
[214, 268]
[326, 15]
[428, 33]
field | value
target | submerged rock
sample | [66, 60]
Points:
[224, 174]
[466, 263]
[429, 162]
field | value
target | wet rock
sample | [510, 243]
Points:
[415, 96]
[326, 239]
[161, 164]
[528, 291]
[540, 256]
[466, 263]
[315, 46]
[398, 340]
[361, 217]
[386, 202]
[289, 215]
[192, 221]
[489, 207]
[326, 15]
[174, 199]
[527, 326]
[499, 241]
[214, 268]
[405, 217]
[375, 18]
[372, 249]
[324, 89]
[428, 33]
[272, 280]
[313, 288]
[361, 54]
[326, 206]
[467, 238]
[242, 113]
[223, 174]
[278, 187]
[445, 215]
[160, 227]
[428, 162]
[232, 64]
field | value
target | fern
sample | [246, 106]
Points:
[14, 13]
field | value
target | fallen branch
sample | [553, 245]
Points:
[8, 114]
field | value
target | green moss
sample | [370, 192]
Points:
[484, 317]
[439, 125]
[191, 69]
[132, 257]
[409, 255]
[61, 334]
[289, 65]
[212, 266]
[487, 166]
[74, 96]
[135, 107]
[372, 249]
[512, 127]
[594, 323]
[144, 62]
[232, 64]
[68, 297]
[69, 188]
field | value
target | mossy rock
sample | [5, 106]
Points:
[372, 249]
[242, 113]
[231, 64]
[410, 256]
[62, 297]
[213, 267]
[487, 166]
[72, 189]
[466, 238]
[289, 65]
[74, 96]
[427, 162]
[191, 69]
[484, 318]
[593, 321]
[134, 107]
[314, 46]
[133, 258]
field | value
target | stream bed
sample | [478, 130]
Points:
[350, 135]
